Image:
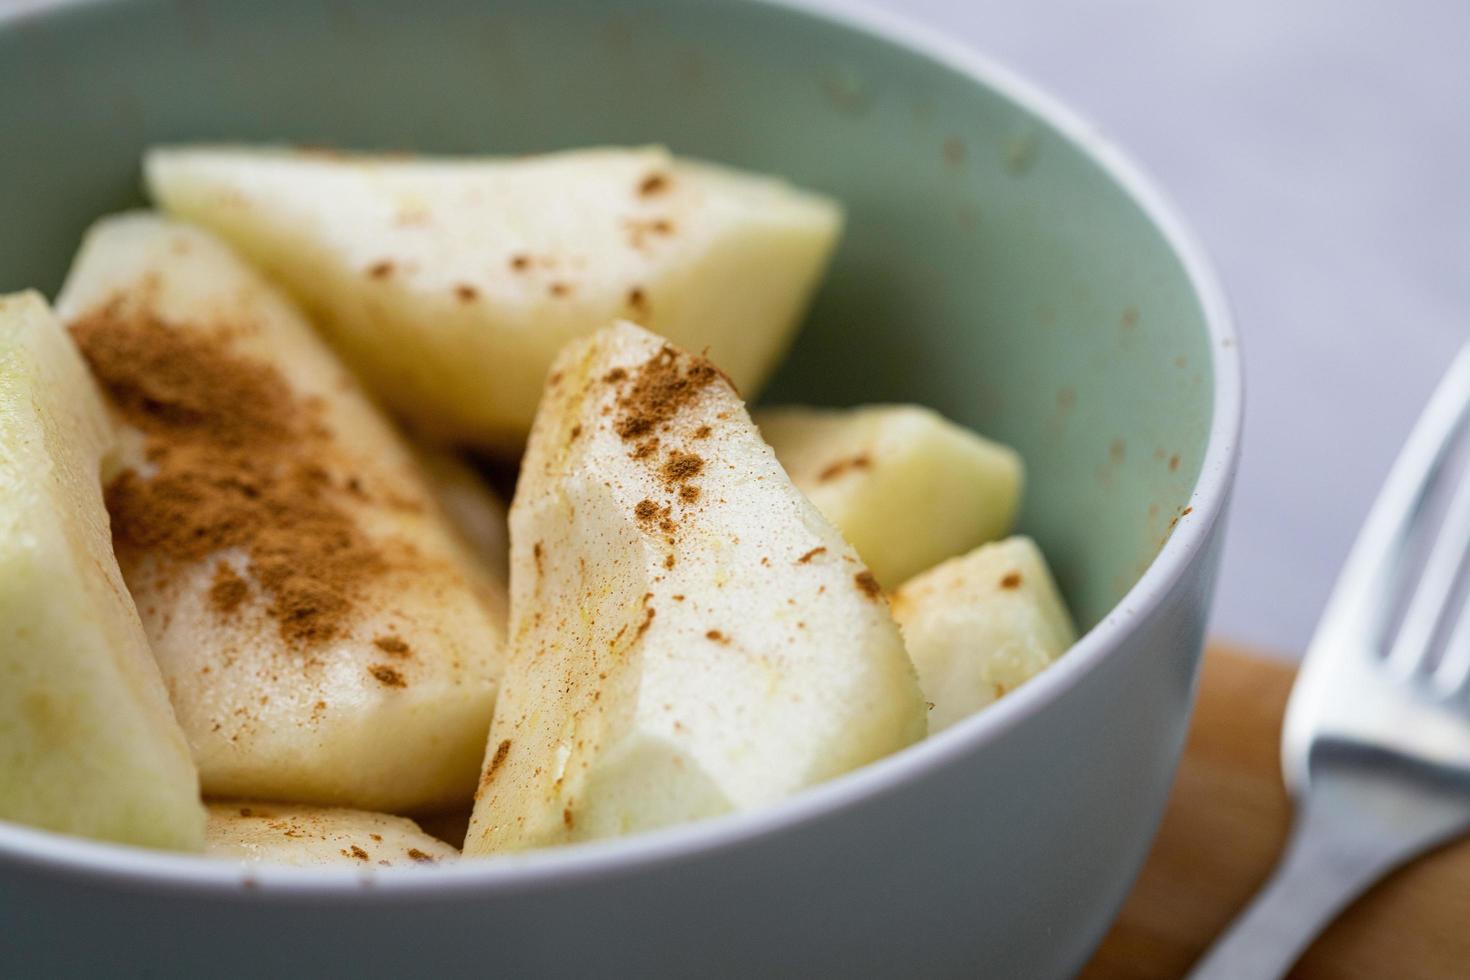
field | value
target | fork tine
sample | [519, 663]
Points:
[1358, 607]
[1433, 593]
[1454, 667]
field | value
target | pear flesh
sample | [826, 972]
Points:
[309, 837]
[689, 636]
[88, 743]
[449, 285]
[979, 626]
[906, 486]
[375, 692]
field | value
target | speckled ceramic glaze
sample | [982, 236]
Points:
[1002, 264]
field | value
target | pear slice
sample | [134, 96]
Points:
[307, 836]
[981, 625]
[450, 284]
[479, 515]
[688, 635]
[88, 743]
[320, 627]
[906, 486]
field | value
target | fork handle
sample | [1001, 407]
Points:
[1352, 828]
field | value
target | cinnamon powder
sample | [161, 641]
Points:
[236, 458]
[659, 391]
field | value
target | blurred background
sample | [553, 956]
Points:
[1321, 149]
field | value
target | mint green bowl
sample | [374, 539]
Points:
[1002, 263]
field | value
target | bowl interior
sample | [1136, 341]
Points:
[990, 268]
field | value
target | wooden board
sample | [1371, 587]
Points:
[1226, 823]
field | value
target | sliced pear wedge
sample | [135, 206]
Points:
[981, 625]
[450, 284]
[88, 743]
[688, 635]
[308, 837]
[906, 486]
[322, 634]
[479, 516]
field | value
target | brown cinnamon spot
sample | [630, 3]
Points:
[702, 432]
[566, 817]
[376, 838]
[415, 854]
[644, 449]
[576, 431]
[245, 811]
[228, 590]
[559, 289]
[648, 615]
[387, 676]
[1012, 580]
[689, 493]
[392, 645]
[867, 584]
[1173, 463]
[654, 183]
[662, 387]
[356, 852]
[496, 760]
[380, 270]
[804, 559]
[833, 470]
[638, 300]
[466, 292]
[716, 636]
[536, 556]
[645, 510]
[520, 263]
[681, 466]
[239, 465]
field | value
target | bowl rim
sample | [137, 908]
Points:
[140, 869]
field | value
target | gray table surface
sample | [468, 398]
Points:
[1321, 149]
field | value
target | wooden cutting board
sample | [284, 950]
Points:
[1225, 825]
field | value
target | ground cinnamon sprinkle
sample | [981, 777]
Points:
[387, 676]
[236, 456]
[228, 590]
[392, 645]
[833, 471]
[868, 585]
[681, 466]
[659, 391]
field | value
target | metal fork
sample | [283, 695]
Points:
[1376, 743]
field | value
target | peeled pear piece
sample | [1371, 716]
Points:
[689, 636]
[449, 284]
[309, 837]
[979, 626]
[322, 630]
[906, 486]
[88, 743]
[478, 514]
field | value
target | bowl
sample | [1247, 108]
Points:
[1003, 263]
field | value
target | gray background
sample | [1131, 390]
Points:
[1321, 149]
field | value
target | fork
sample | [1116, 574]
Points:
[1376, 743]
